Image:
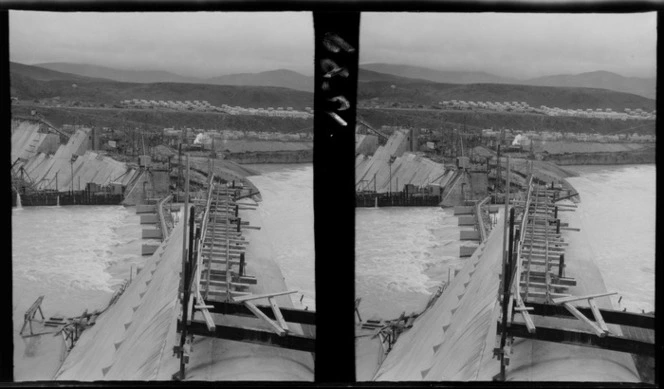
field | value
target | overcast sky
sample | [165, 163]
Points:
[206, 44]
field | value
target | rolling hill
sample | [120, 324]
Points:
[645, 87]
[43, 74]
[601, 79]
[282, 78]
[137, 76]
[562, 97]
[112, 92]
[31, 82]
[440, 76]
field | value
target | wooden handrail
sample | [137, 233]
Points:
[162, 220]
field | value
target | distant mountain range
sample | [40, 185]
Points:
[280, 78]
[645, 87]
[439, 76]
[95, 71]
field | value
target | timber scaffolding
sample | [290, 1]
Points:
[216, 282]
[537, 287]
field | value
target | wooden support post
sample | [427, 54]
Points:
[209, 321]
[277, 329]
[180, 375]
[561, 266]
[555, 213]
[241, 272]
[510, 259]
[190, 309]
[598, 316]
[584, 319]
[239, 223]
[277, 314]
[190, 259]
[506, 273]
[557, 226]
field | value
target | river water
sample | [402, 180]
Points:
[403, 253]
[77, 256]
[287, 211]
[617, 211]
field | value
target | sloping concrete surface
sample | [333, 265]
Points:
[33, 148]
[407, 168]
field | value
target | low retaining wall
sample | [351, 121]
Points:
[67, 198]
[295, 156]
[619, 158]
[397, 199]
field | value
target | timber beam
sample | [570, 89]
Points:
[608, 342]
[610, 316]
[290, 315]
[253, 335]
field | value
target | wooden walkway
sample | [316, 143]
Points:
[215, 272]
[223, 274]
[538, 287]
[542, 251]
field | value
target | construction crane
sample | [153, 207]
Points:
[38, 117]
[367, 125]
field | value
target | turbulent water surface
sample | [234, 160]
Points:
[76, 257]
[402, 255]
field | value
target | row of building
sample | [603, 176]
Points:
[522, 106]
[524, 137]
[205, 106]
[606, 113]
[206, 136]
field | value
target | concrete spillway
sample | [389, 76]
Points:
[454, 339]
[134, 339]
[43, 159]
[406, 168]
